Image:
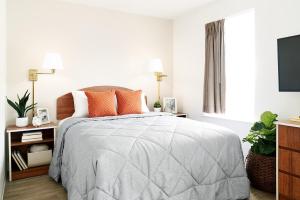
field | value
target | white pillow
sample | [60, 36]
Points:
[80, 104]
[145, 108]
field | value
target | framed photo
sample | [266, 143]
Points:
[43, 114]
[170, 105]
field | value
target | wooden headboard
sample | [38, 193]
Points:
[65, 105]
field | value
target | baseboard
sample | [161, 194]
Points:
[2, 184]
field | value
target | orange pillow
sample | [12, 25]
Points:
[101, 103]
[129, 102]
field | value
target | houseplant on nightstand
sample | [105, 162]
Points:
[157, 106]
[261, 160]
[22, 109]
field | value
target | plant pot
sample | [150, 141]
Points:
[157, 109]
[261, 171]
[22, 121]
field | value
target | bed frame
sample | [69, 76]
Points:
[65, 104]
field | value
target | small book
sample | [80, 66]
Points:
[32, 133]
[19, 160]
[31, 140]
[31, 136]
[22, 160]
[16, 161]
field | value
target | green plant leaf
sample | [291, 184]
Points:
[262, 135]
[266, 148]
[268, 119]
[20, 106]
[157, 104]
[28, 108]
[257, 126]
[265, 131]
[14, 106]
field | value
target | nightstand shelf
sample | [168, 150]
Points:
[30, 172]
[15, 143]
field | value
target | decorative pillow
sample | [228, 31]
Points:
[145, 108]
[101, 104]
[129, 102]
[80, 104]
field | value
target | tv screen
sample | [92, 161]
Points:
[289, 63]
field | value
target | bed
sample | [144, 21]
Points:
[150, 156]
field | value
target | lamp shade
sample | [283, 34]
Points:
[155, 65]
[52, 61]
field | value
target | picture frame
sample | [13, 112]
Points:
[43, 114]
[170, 105]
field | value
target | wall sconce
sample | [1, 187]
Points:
[52, 61]
[156, 66]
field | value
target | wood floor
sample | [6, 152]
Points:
[43, 188]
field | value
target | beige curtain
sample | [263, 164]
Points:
[214, 80]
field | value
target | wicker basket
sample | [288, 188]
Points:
[261, 171]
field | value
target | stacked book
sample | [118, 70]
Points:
[32, 136]
[19, 160]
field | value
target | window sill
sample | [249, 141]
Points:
[226, 117]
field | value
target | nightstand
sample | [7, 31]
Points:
[184, 115]
[15, 144]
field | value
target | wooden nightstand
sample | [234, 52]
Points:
[15, 143]
[184, 115]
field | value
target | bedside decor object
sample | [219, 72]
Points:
[170, 105]
[43, 114]
[36, 121]
[179, 114]
[157, 106]
[261, 160]
[39, 158]
[18, 150]
[22, 109]
[156, 66]
[52, 61]
[38, 148]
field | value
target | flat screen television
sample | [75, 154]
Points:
[289, 63]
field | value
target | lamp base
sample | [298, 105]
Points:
[32, 74]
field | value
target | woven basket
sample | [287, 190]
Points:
[261, 171]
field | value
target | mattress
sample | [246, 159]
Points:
[152, 156]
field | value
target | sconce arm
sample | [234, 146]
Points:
[33, 74]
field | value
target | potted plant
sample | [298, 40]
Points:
[261, 160]
[157, 106]
[22, 109]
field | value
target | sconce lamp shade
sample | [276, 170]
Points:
[52, 61]
[156, 65]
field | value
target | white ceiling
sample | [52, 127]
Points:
[157, 8]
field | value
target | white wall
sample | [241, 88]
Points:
[98, 47]
[2, 92]
[274, 19]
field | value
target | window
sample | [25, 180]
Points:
[240, 66]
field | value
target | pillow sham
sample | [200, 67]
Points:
[101, 104]
[80, 104]
[129, 102]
